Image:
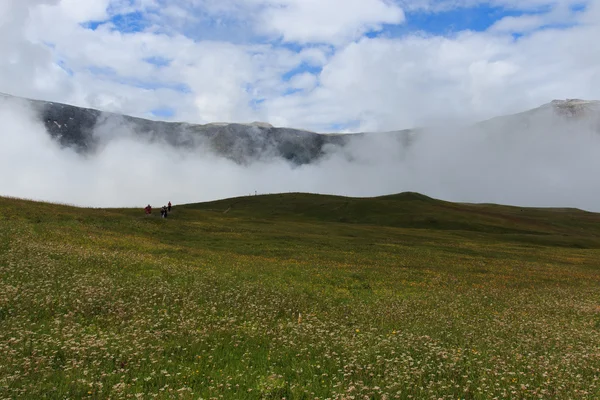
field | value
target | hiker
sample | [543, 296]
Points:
[148, 209]
[163, 212]
[169, 207]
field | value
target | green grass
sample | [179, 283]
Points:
[299, 296]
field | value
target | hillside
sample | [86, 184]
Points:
[414, 211]
[299, 296]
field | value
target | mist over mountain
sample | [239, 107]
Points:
[87, 130]
[56, 152]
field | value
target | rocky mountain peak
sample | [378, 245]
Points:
[575, 107]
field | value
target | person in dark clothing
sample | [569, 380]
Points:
[164, 212]
[169, 207]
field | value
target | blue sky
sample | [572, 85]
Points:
[478, 17]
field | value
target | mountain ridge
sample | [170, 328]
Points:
[570, 106]
[87, 129]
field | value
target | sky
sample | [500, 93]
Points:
[321, 65]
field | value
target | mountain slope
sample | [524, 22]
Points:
[87, 129]
[575, 112]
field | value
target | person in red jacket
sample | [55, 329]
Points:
[169, 207]
[148, 209]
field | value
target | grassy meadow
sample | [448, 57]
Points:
[299, 296]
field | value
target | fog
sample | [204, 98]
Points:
[543, 161]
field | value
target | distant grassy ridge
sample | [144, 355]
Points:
[417, 211]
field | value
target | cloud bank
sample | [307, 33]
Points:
[545, 160]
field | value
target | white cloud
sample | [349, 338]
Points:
[560, 14]
[416, 80]
[544, 162]
[522, 23]
[304, 81]
[26, 66]
[81, 11]
[327, 21]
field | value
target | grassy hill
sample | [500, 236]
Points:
[412, 210]
[299, 296]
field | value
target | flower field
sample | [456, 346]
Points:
[299, 297]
